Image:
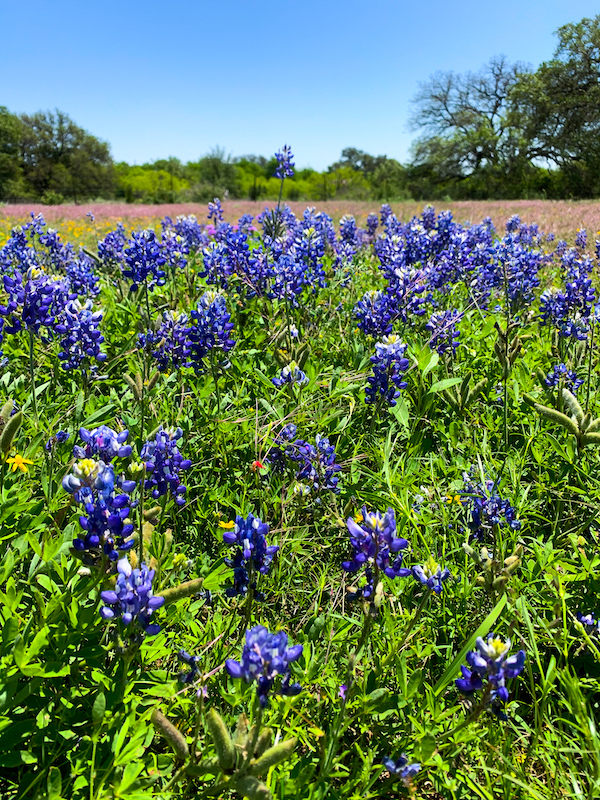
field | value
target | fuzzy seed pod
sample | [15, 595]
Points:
[265, 737]
[186, 589]
[6, 410]
[221, 738]
[561, 419]
[572, 404]
[272, 756]
[252, 788]
[169, 732]
[206, 766]
[9, 431]
[132, 385]
[153, 380]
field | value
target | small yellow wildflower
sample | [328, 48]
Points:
[227, 525]
[358, 517]
[18, 462]
[450, 499]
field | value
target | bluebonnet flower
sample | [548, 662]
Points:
[144, 260]
[317, 465]
[80, 337]
[285, 165]
[254, 554]
[174, 250]
[210, 328]
[192, 663]
[215, 211]
[291, 374]
[91, 216]
[60, 437]
[385, 212]
[189, 229]
[103, 443]
[372, 225]
[264, 656]
[276, 456]
[375, 543]
[81, 278]
[401, 768]
[111, 250]
[164, 464]
[169, 345]
[560, 375]
[389, 365]
[35, 301]
[487, 509]
[289, 278]
[490, 667]
[106, 520]
[443, 332]
[132, 600]
[589, 622]
[244, 223]
[375, 313]
[581, 239]
[431, 575]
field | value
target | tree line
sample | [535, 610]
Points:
[506, 131]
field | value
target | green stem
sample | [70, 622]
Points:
[589, 374]
[32, 378]
[213, 369]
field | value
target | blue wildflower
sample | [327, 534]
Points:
[264, 656]
[443, 332]
[285, 165]
[164, 464]
[489, 666]
[431, 575]
[389, 365]
[254, 554]
[132, 600]
[290, 374]
[400, 768]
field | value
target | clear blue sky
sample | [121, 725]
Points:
[156, 79]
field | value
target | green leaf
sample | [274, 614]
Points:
[98, 708]
[54, 783]
[486, 625]
[439, 386]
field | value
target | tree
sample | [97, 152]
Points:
[561, 103]
[11, 186]
[470, 124]
[60, 157]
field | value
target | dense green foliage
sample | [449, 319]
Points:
[81, 716]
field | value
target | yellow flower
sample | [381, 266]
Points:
[450, 499]
[227, 525]
[359, 517]
[18, 462]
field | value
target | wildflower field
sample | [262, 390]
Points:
[297, 508]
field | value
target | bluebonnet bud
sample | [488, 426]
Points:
[164, 464]
[431, 575]
[132, 600]
[372, 224]
[264, 656]
[389, 365]
[490, 666]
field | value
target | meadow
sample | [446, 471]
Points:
[297, 506]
